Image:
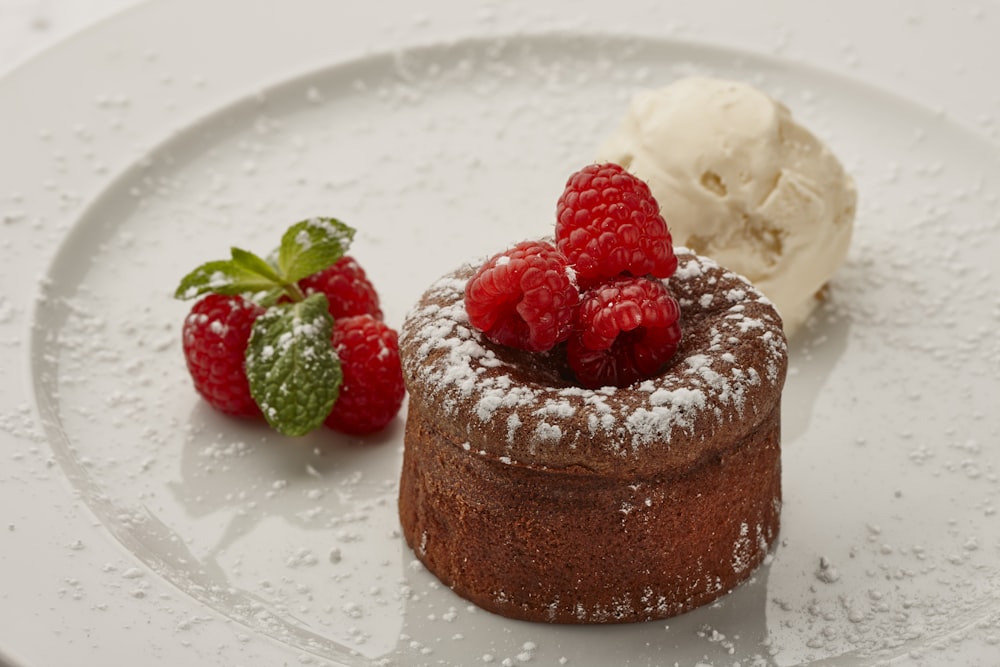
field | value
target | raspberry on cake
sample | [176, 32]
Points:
[523, 297]
[609, 224]
[625, 330]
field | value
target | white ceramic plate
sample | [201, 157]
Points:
[140, 527]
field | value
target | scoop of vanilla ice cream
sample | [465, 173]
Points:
[738, 180]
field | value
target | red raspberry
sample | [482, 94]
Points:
[215, 338]
[625, 330]
[523, 297]
[346, 287]
[608, 223]
[372, 390]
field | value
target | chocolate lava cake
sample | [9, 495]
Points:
[540, 500]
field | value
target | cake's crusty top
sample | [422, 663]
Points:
[518, 408]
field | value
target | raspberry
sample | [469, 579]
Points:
[372, 390]
[625, 330]
[346, 287]
[215, 339]
[523, 297]
[608, 223]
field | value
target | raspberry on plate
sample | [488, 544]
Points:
[215, 338]
[346, 287]
[372, 389]
[608, 224]
[625, 330]
[523, 297]
[279, 354]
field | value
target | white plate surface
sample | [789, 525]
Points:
[141, 526]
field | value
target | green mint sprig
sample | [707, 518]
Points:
[293, 371]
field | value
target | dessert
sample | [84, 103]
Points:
[538, 499]
[740, 181]
[541, 499]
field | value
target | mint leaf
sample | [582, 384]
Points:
[254, 264]
[312, 245]
[293, 370]
[244, 273]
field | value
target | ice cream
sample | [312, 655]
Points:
[739, 180]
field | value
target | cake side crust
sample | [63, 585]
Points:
[565, 548]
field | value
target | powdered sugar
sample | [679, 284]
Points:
[500, 393]
[545, 432]
[668, 409]
[513, 422]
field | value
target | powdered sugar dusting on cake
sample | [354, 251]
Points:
[689, 270]
[546, 431]
[670, 409]
[513, 423]
[742, 553]
[459, 371]
[499, 393]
